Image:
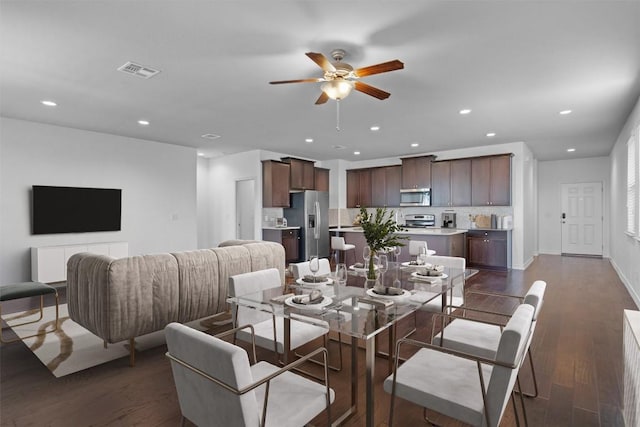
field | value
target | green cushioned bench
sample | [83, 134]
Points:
[26, 290]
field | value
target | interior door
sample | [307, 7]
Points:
[245, 211]
[582, 218]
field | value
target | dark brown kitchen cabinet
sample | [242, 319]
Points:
[275, 184]
[302, 173]
[289, 238]
[359, 188]
[291, 243]
[416, 172]
[321, 179]
[491, 180]
[385, 186]
[451, 183]
[489, 249]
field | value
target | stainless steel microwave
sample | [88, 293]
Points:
[415, 197]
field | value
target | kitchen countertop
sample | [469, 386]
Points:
[280, 228]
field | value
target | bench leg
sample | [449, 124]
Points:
[55, 326]
[132, 352]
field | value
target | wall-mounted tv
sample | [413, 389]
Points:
[75, 209]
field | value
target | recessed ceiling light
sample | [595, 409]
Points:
[48, 103]
[491, 134]
[375, 128]
[565, 112]
[356, 153]
[143, 122]
[415, 144]
[201, 154]
[465, 111]
[571, 150]
[308, 140]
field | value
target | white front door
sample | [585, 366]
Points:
[245, 203]
[582, 218]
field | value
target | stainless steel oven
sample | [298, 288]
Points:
[415, 197]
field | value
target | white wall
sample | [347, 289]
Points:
[551, 175]
[158, 183]
[625, 250]
[222, 177]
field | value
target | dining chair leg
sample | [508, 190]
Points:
[515, 409]
[524, 409]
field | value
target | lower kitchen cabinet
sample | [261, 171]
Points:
[287, 237]
[489, 249]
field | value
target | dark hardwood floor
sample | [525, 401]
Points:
[577, 349]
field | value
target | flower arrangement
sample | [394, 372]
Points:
[379, 231]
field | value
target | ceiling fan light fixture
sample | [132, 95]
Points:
[337, 89]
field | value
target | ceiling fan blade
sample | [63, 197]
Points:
[322, 61]
[370, 90]
[316, 80]
[379, 68]
[322, 98]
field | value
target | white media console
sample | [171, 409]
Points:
[49, 263]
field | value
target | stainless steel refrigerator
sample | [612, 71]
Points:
[310, 211]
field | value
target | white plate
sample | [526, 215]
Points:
[429, 278]
[361, 269]
[404, 295]
[324, 282]
[325, 302]
[408, 264]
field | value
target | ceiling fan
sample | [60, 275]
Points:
[340, 78]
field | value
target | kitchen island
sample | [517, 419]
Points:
[445, 241]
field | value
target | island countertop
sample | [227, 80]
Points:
[280, 228]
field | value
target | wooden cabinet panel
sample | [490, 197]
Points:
[359, 188]
[501, 181]
[302, 173]
[378, 187]
[460, 182]
[451, 183]
[488, 249]
[491, 181]
[416, 172]
[291, 243]
[393, 181]
[275, 184]
[321, 179]
[440, 184]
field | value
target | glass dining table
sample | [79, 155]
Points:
[355, 312]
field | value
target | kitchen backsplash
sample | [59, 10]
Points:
[345, 217]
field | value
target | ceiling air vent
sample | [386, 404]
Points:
[138, 70]
[210, 136]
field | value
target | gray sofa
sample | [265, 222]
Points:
[120, 299]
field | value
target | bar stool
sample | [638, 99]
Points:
[338, 244]
[25, 290]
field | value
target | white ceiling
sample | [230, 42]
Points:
[516, 64]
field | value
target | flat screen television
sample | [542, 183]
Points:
[75, 209]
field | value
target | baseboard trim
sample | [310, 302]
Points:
[627, 284]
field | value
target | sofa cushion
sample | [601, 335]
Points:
[198, 284]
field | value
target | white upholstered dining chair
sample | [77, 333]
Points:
[482, 338]
[217, 386]
[416, 245]
[466, 387]
[301, 269]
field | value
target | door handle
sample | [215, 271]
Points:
[316, 231]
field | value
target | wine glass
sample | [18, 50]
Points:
[366, 253]
[396, 282]
[422, 255]
[340, 277]
[314, 265]
[383, 266]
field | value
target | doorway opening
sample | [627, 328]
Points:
[245, 209]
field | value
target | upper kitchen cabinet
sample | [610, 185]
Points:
[302, 173]
[359, 188]
[321, 179]
[385, 186]
[416, 172]
[451, 183]
[491, 180]
[275, 184]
